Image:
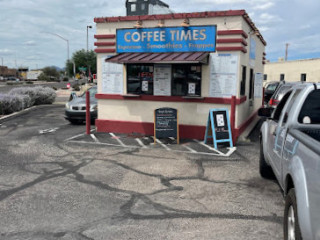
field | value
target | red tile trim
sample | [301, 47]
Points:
[172, 16]
[101, 44]
[232, 40]
[104, 50]
[227, 49]
[105, 36]
[146, 128]
[170, 98]
[232, 32]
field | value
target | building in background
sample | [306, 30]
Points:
[146, 7]
[192, 62]
[33, 74]
[23, 72]
[6, 72]
[305, 70]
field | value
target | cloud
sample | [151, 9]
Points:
[23, 24]
[6, 52]
[264, 6]
[30, 43]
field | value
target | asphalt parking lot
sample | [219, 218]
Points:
[58, 183]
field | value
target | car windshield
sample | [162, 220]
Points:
[92, 92]
[272, 87]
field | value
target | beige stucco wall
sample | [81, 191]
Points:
[293, 70]
[190, 113]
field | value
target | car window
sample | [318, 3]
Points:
[310, 111]
[92, 92]
[282, 91]
[277, 112]
[292, 101]
[272, 87]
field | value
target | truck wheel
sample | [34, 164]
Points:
[265, 169]
[291, 227]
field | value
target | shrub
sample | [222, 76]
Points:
[24, 97]
[39, 95]
[13, 103]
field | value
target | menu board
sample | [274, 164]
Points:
[162, 80]
[258, 82]
[223, 75]
[166, 123]
[112, 77]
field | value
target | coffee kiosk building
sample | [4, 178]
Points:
[192, 62]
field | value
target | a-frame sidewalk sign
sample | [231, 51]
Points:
[218, 127]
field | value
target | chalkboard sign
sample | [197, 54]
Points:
[221, 125]
[166, 123]
[218, 127]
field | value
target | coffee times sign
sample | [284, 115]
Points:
[171, 39]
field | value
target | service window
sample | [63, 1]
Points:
[140, 79]
[186, 80]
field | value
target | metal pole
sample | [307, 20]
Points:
[286, 57]
[62, 39]
[88, 118]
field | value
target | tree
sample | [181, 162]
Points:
[49, 73]
[82, 58]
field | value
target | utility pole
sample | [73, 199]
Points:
[286, 56]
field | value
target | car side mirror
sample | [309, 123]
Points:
[265, 112]
[73, 95]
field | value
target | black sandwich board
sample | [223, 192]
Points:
[166, 123]
[218, 127]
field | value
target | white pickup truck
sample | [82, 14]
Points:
[290, 149]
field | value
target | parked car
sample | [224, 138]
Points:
[269, 89]
[75, 110]
[290, 151]
[281, 90]
[13, 79]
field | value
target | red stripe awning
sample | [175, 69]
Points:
[181, 57]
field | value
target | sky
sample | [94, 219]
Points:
[36, 33]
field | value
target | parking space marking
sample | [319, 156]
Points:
[74, 137]
[189, 148]
[117, 139]
[50, 130]
[140, 143]
[163, 145]
[105, 144]
[207, 146]
[94, 138]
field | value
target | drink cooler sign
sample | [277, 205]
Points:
[218, 127]
[166, 123]
[171, 39]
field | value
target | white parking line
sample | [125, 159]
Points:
[163, 145]
[141, 143]
[94, 138]
[205, 145]
[79, 135]
[189, 148]
[105, 144]
[117, 138]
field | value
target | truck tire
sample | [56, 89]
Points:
[291, 228]
[264, 168]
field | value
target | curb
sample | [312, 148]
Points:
[25, 111]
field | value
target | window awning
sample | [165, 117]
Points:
[181, 57]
